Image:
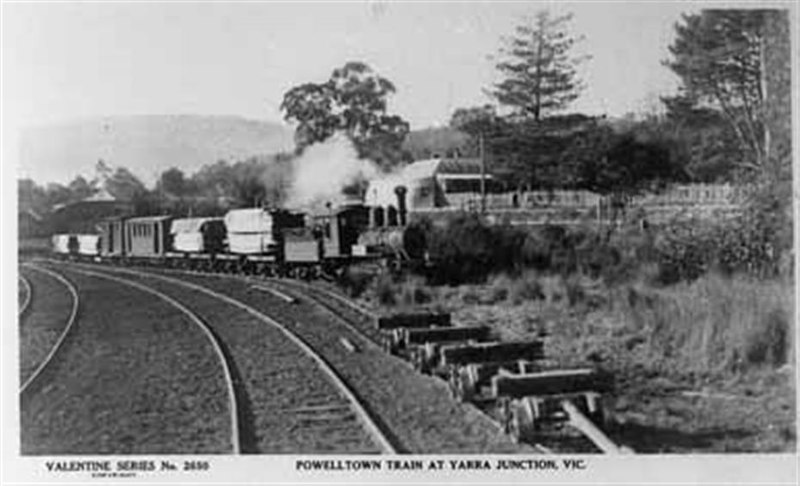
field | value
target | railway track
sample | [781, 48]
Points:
[124, 378]
[29, 377]
[225, 364]
[362, 320]
[423, 421]
[290, 398]
[27, 293]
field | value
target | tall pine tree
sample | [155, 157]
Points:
[718, 55]
[539, 69]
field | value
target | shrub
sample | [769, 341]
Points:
[684, 251]
[414, 291]
[385, 290]
[526, 288]
[468, 249]
[355, 281]
[573, 288]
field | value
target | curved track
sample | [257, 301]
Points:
[67, 328]
[362, 320]
[234, 407]
[325, 412]
[25, 283]
[356, 317]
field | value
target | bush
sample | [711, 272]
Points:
[573, 288]
[414, 291]
[685, 251]
[385, 290]
[526, 288]
[468, 249]
[755, 242]
[355, 281]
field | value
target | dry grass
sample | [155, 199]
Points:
[713, 325]
[700, 367]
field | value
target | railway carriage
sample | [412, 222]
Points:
[64, 244]
[88, 245]
[112, 231]
[262, 241]
[147, 237]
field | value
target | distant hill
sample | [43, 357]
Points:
[146, 145]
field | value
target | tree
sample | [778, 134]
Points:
[353, 100]
[172, 181]
[631, 165]
[706, 142]
[81, 189]
[479, 122]
[125, 186]
[718, 56]
[540, 72]
[476, 120]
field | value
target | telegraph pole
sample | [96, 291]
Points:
[483, 173]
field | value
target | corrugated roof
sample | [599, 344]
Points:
[459, 166]
[429, 168]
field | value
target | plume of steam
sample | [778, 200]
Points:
[325, 171]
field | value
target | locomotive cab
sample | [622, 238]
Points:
[340, 229]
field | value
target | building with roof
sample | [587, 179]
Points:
[30, 223]
[432, 183]
[83, 216]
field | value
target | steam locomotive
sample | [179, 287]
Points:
[272, 242]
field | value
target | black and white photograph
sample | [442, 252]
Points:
[385, 242]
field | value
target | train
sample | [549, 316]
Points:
[259, 241]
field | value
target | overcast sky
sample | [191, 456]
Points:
[62, 60]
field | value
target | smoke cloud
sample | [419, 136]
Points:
[325, 170]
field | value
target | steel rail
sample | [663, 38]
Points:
[235, 442]
[342, 299]
[308, 291]
[576, 418]
[380, 438]
[28, 294]
[70, 324]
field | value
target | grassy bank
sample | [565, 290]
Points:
[700, 366]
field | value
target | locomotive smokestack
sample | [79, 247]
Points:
[400, 191]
